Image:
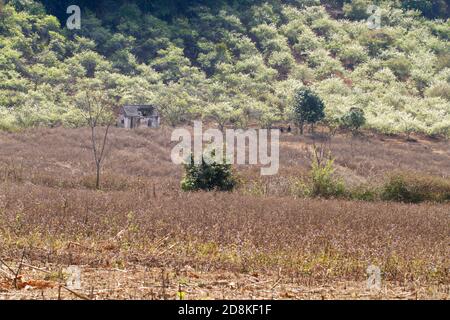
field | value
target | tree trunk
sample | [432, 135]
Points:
[97, 181]
[301, 124]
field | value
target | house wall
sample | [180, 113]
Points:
[127, 123]
[120, 121]
[144, 122]
[131, 123]
[154, 122]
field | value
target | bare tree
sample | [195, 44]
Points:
[320, 150]
[99, 112]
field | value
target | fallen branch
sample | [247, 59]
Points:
[7, 266]
[78, 295]
[275, 284]
[159, 243]
[168, 249]
[35, 268]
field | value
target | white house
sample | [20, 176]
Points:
[139, 116]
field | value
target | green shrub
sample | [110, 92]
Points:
[208, 176]
[7, 122]
[323, 182]
[324, 27]
[352, 55]
[439, 89]
[400, 66]
[397, 189]
[376, 41]
[356, 9]
[415, 188]
[441, 30]
[353, 120]
[364, 194]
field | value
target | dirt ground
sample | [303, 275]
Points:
[139, 283]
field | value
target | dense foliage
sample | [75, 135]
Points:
[231, 62]
[308, 108]
[353, 120]
[208, 175]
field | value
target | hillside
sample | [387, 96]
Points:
[232, 62]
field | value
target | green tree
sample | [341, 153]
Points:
[172, 63]
[353, 120]
[400, 66]
[222, 113]
[429, 8]
[308, 108]
[356, 9]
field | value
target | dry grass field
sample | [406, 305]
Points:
[141, 237]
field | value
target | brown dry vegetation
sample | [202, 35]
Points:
[257, 242]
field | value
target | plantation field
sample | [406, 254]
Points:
[228, 62]
[141, 237]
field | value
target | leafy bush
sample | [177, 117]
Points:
[364, 193]
[307, 42]
[400, 66]
[353, 119]
[415, 188]
[7, 122]
[439, 89]
[323, 182]
[357, 9]
[353, 55]
[396, 189]
[282, 61]
[208, 176]
[441, 30]
[377, 41]
[324, 27]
